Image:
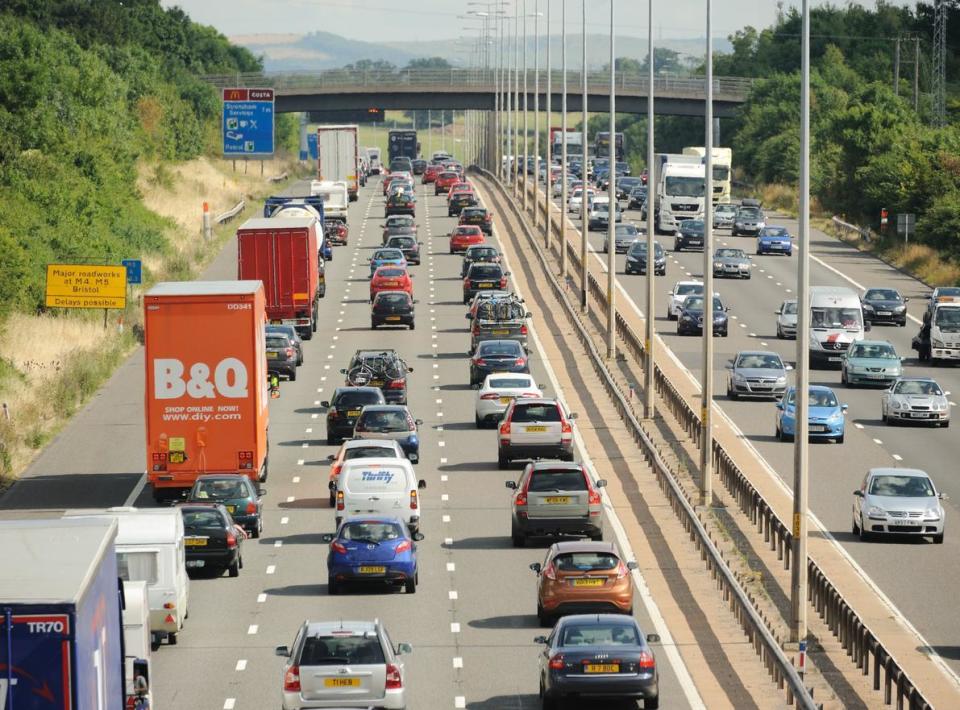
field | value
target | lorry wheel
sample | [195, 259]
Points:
[313, 324]
[172, 639]
[306, 333]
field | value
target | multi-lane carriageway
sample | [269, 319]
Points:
[917, 577]
[472, 621]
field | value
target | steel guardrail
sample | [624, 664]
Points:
[854, 635]
[844, 229]
[779, 667]
[230, 213]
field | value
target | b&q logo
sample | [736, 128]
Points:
[229, 379]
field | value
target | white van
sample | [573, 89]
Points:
[379, 486]
[373, 160]
[336, 199]
[136, 632]
[150, 549]
[836, 320]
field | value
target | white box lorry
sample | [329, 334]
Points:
[338, 156]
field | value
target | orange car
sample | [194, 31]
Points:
[444, 181]
[463, 236]
[390, 278]
[583, 578]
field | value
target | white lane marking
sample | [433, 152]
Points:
[448, 541]
[271, 569]
[858, 425]
[444, 497]
[763, 344]
[444, 478]
[290, 499]
[443, 460]
[314, 416]
[459, 702]
[441, 443]
[439, 414]
[278, 543]
[284, 521]
[309, 430]
[752, 335]
[229, 703]
[261, 598]
[452, 595]
[897, 457]
[445, 519]
[296, 479]
[241, 665]
[305, 445]
[300, 462]
[252, 629]
[454, 627]
[457, 662]
[878, 442]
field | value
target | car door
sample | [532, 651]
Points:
[347, 667]
[557, 493]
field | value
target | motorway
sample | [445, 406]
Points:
[473, 619]
[898, 566]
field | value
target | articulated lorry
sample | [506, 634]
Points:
[338, 156]
[722, 167]
[282, 253]
[680, 182]
[402, 143]
[61, 633]
[602, 146]
[206, 383]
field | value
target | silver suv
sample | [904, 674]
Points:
[343, 664]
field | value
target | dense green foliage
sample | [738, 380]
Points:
[87, 89]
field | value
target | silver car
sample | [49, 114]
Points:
[343, 664]
[624, 235]
[915, 399]
[757, 374]
[723, 215]
[731, 262]
[901, 501]
[748, 220]
[787, 319]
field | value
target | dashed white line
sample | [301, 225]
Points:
[261, 598]
[229, 703]
[299, 463]
[296, 479]
[252, 629]
[454, 627]
[452, 595]
[445, 519]
[444, 497]
[897, 457]
[460, 702]
[241, 665]
[878, 442]
[858, 425]
[271, 569]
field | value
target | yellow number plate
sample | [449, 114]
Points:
[373, 570]
[353, 413]
[506, 400]
[272, 356]
[557, 500]
[195, 541]
[588, 583]
[276, 321]
[393, 317]
[177, 457]
[484, 285]
[501, 332]
[535, 429]
[376, 383]
[231, 508]
[602, 668]
[342, 682]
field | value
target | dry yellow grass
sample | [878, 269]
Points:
[926, 264]
[37, 346]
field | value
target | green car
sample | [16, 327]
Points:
[870, 362]
[237, 493]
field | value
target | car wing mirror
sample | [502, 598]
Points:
[421, 484]
[416, 301]
[780, 405]
[326, 405]
[418, 536]
[632, 565]
[844, 407]
[512, 485]
[331, 457]
[418, 422]
[572, 415]
[729, 366]
[283, 651]
[787, 368]
[858, 493]
[601, 483]
[262, 493]
[343, 371]
[653, 638]
[409, 369]
[403, 648]
[943, 496]
[535, 566]
[539, 639]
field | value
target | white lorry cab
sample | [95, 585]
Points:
[379, 486]
[680, 183]
[373, 160]
[335, 197]
[836, 321]
[150, 549]
[945, 330]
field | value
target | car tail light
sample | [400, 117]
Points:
[338, 547]
[503, 282]
[594, 497]
[394, 682]
[403, 547]
[340, 505]
[550, 572]
[490, 395]
[646, 660]
[290, 352]
[480, 362]
[231, 540]
[413, 500]
[521, 362]
[245, 459]
[336, 470]
[396, 384]
[566, 427]
[159, 462]
[466, 282]
[476, 329]
[505, 429]
[291, 680]
[622, 570]
[523, 330]
[556, 662]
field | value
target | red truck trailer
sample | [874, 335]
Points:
[282, 253]
[206, 383]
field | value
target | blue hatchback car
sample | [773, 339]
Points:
[826, 415]
[774, 240]
[374, 549]
[387, 257]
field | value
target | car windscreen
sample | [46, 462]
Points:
[838, 317]
[586, 562]
[341, 651]
[790, 307]
[510, 382]
[724, 209]
[776, 232]
[880, 351]
[357, 398]
[374, 531]
[369, 452]
[677, 186]
[493, 348]
[562, 480]
[483, 270]
[626, 230]
[402, 221]
[731, 254]
[687, 289]
[402, 242]
[918, 387]
[762, 361]
[822, 398]
[600, 634]
[640, 248]
[748, 213]
[536, 413]
[482, 253]
[881, 294]
[387, 255]
[474, 212]
[392, 298]
[385, 421]
[220, 489]
[948, 319]
[390, 273]
[467, 231]
[277, 343]
[906, 486]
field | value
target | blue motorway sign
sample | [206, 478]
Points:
[248, 125]
[134, 270]
[312, 146]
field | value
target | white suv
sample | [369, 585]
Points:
[534, 429]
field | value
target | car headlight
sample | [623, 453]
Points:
[835, 417]
[899, 309]
[867, 307]
[718, 264]
[875, 511]
[895, 404]
[932, 514]
[936, 343]
[737, 377]
[781, 380]
[686, 317]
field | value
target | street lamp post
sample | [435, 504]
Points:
[546, 178]
[649, 394]
[526, 101]
[516, 103]
[706, 404]
[563, 145]
[583, 169]
[611, 210]
[536, 107]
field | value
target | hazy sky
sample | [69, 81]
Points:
[400, 20]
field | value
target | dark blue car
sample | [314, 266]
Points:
[373, 549]
[774, 240]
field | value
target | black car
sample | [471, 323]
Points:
[291, 333]
[379, 368]
[479, 216]
[637, 259]
[689, 235]
[637, 198]
[483, 276]
[237, 493]
[497, 356]
[478, 253]
[392, 308]
[345, 407]
[401, 164]
[626, 185]
[400, 203]
[601, 656]
[884, 305]
[211, 539]
[418, 166]
[281, 356]
[690, 321]
[408, 245]
[459, 201]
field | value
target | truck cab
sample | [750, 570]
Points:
[680, 190]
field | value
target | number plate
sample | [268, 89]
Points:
[196, 563]
[588, 583]
[601, 668]
[506, 400]
[393, 318]
[230, 508]
[353, 413]
[484, 285]
[341, 682]
[501, 331]
[884, 313]
[373, 570]
[903, 521]
[272, 356]
[535, 429]
[817, 428]
[195, 541]
[276, 321]
[376, 383]
[177, 457]
[834, 359]
[920, 415]
[557, 500]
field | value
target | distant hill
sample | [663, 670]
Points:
[323, 50]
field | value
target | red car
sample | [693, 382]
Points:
[390, 278]
[431, 172]
[445, 181]
[337, 231]
[464, 236]
[389, 179]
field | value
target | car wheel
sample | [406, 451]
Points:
[478, 421]
[732, 395]
[883, 417]
[333, 589]
[293, 376]
[373, 325]
[864, 535]
[333, 499]
[651, 703]
[945, 424]
[502, 461]
[234, 569]
[410, 586]
[172, 639]
[255, 533]
[543, 617]
[840, 439]
[331, 440]
[854, 528]
[843, 377]
[938, 539]
[778, 433]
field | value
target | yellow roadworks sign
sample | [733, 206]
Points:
[86, 286]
